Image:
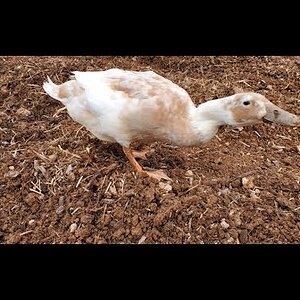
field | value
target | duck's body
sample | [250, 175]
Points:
[126, 106]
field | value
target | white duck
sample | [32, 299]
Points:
[126, 106]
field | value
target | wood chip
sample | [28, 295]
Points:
[189, 173]
[73, 227]
[31, 222]
[60, 210]
[69, 169]
[142, 239]
[23, 112]
[165, 186]
[247, 182]
[278, 147]
[224, 224]
[53, 157]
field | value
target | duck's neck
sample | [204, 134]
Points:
[208, 117]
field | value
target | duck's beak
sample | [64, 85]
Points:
[278, 115]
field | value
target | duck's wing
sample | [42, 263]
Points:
[117, 84]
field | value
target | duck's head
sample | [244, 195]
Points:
[252, 108]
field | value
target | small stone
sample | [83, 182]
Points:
[12, 174]
[60, 210]
[61, 200]
[118, 184]
[230, 240]
[165, 186]
[218, 161]
[71, 176]
[11, 167]
[237, 221]
[31, 222]
[4, 91]
[108, 200]
[69, 169]
[247, 182]
[225, 191]
[23, 112]
[189, 173]
[73, 227]
[113, 190]
[52, 157]
[224, 224]
[253, 195]
[130, 193]
[298, 149]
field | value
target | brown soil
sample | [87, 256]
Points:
[59, 184]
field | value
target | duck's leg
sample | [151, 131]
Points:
[157, 174]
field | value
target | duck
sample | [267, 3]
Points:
[124, 106]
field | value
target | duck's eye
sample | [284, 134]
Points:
[246, 103]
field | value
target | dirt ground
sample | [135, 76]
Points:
[59, 184]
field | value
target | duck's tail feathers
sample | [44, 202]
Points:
[52, 89]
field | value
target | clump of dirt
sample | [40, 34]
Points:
[59, 184]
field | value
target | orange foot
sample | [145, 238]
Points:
[157, 174]
[140, 154]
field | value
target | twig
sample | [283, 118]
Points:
[78, 131]
[26, 232]
[179, 229]
[257, 133]
[68, 152]
[35, 191]
[190, 224]
[122, 187]
[219, 139]
[245, 144]
[104, 211]
[244, 81]
[58, 111]
[102, 182]
[193, 187]
[56, 127]
[75, 210]
[78, 182]
[108, 187]
[284, 137]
